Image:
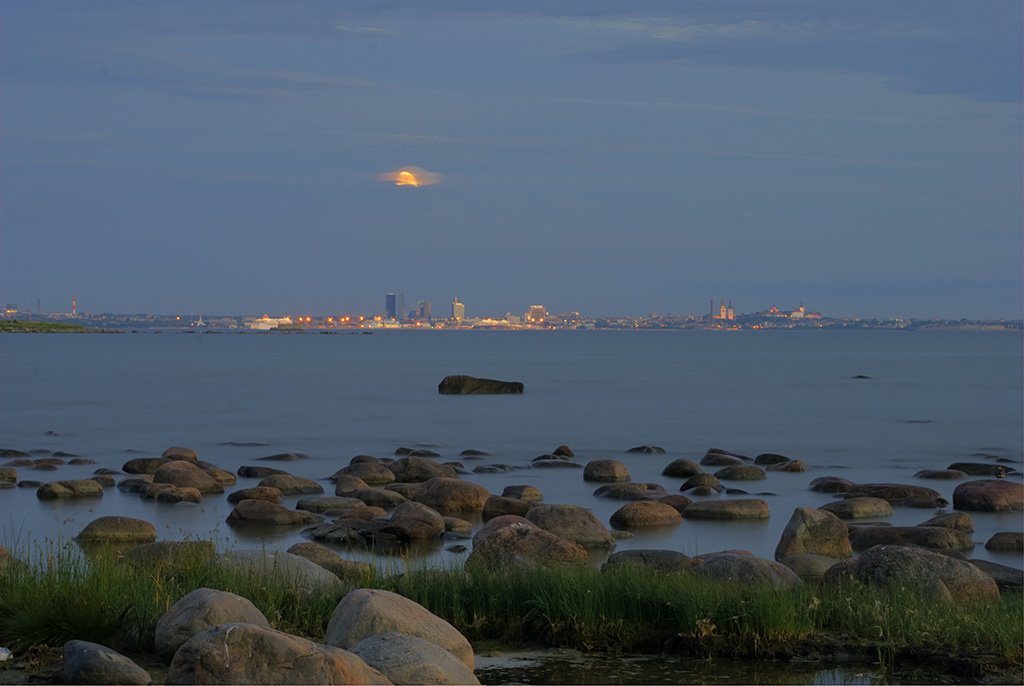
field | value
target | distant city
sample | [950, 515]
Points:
[720, 316]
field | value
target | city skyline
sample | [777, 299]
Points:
[603, 156]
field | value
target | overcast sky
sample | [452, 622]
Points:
[608, 157]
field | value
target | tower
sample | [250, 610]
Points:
[458, 310]
[390, 306]
[722, 312]
[74, 306]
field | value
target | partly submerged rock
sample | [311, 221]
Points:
[460, 384]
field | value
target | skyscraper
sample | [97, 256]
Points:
[424, 311]
[394, 306]
[458, 310]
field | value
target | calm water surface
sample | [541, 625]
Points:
[932, 399]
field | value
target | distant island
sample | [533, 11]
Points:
[23, 326]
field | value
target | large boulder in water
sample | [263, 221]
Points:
[747, 570]
[412, 660]
[373, 473]
[185, 474]
[605, 471]
[681, 467]
[752, 508]
[572, 522]
[73, 488]
[631, 491]
[859, 508]
[412, 469]
[891, 492]
[365, 612]
[496, 506]
[641, 514]
[813, 531]
[118, 530]
[898, 566]
[264, 656]
[199, 611]
[935, 537]
[989, 495]
[452, 497]
[831, 484]
[460, 384]
[512, 542]
[264, 512]
[179, 453]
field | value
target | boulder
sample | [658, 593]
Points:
[642, 514]
[104, 480]
[1007, 578]
[474, 453]
[709, 481]
[766, 459]
[166, 493]
[378, 497]
[170, 554]
[325, 504]
[989, 495]
[406, 490]
[92, 663]
[899, 565]
[813, 531]
[185, 474]
[631, 491]
[747, 569]
[452, 497]
[365, 612]
[935, 537]
[8, 474]
[422, 452]
[412, 660]
[716, 459]
[500, 505]
[924, 502]
[285, 457]
[523, 492]
[752, 508]
[144, 465]
[679, 502]
[199, 611]
[947, 474]
[331, 561]
[221, 476]
[364, 458]
[263, 512]
[545, 462]
[76, 488]
[1006, 541]
[831, 484]
[271, 495]
[890, 492]
[456, 525]
[265, 656]
[465, 385]
[960, 521]
[563, 451]
[251, 472]
[793, 466]
[573, 523]
[301, 573]
[179, 453]
[681, 468]
[980, 469]
[743, 472]
[412, 521]
[346, 483]
[412, 469]
[859, 508]
[605, 471]
[134, 484]
[647, 450]
[522, 545]
[118, 530]
[665, 561]
[373, 473]
[292, 485]
[809, 566]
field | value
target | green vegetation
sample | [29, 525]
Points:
[21, 326]
[62, 595]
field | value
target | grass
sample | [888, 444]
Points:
[62, 595]
[22, 326]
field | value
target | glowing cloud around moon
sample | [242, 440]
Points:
[414, 177]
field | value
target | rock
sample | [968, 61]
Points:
[344, 531]
[417, 470]
[464, 385]
[605, 471]
[645, 513]
[332, 562]
[174, 494]
[365, 612]
[78, 488]
[989, 495]
[808, 566]
[682, 468]
[411, 660]
[92, 663]
[523, 492]
[270, 657]
[413, 521]
[144, 465]
[179, 453]
[980, 469]
[150, 490]
[8, 474]
[747, 569]
[573, 523]
[961, 521]
[926, 502]
[472, 452]
[891, 492]
[41, 466]
[728, 509]
[250, 472]
[702, 481]
[631, 491]
[679, 502]
[221, 476]
[285, 457]
[170, 554]
[420, 452]
[500, 505]
[522, 545]
[301, 573]
[813, 531]
[793, 466]
[118, 530]
[935, 537]
[898, 566]
[544, 462]
[346, 483]
[457, 526]
[75, 460]
[716, 459]
[563, 451]
[360, 459]
[185, 474]
[766, 459]
[135, 484]
[378, 497]
[104, 480]
[407, 491]
[10, 452]
[492, 468]
[271, 495]
[859, 508]
[373, 473]
[831, 484]
[647, 450]
[743, 472]
[330, 504]
[1008, 541]
[263, 512]
[949, 474]
[665, 561]
[452, 497]
[24, 483]
[292, 485]
[1007, 578]
[199, 611]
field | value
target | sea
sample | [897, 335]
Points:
[929, 399]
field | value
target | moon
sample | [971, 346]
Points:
[413, 177]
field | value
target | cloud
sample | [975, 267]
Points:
[415, 177]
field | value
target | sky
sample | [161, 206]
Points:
[607, 157]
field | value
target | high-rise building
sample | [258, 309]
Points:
[536, 314]
[424, 311]
[458, 310]
[394, 306]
